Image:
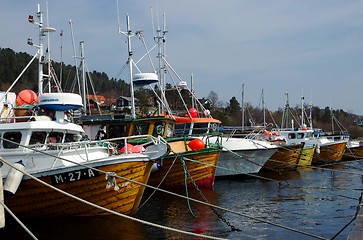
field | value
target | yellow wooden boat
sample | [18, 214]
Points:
[184, 166]
[285, 158]
[34, 199]
[306, 156]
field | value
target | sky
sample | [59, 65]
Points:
[310, 48]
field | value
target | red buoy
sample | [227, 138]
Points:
[26, 97]
[128, 147]
[193, 112]
[196, 144]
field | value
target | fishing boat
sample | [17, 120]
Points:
[326, 150]
[353, 150]
[238, 155]
[186, 154]
[285, 158]
[46, 158]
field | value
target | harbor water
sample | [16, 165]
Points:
[312, 203]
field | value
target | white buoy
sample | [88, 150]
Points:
[156, 167]
[14, 178]
[2, 212]
[317, 149]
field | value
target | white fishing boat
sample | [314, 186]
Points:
[39, 140]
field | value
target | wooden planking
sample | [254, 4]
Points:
[35, 199]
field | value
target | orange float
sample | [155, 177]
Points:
[193, 112]
[26, 97]
[196, 144]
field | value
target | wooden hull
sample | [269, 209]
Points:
[34, 199]
[285, 158]
[201, 165]
[306, 156]
[353, 153]
[329, 153]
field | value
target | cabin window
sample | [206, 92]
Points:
[159, 128]
[12, 136]
[213, 127]
[170, 130]
[55, 137]
[292, 136]
[181, 129]
[200, 128]
[115, 131]
[141, 128]
[71, 137]
[38, 138]
[300, 135]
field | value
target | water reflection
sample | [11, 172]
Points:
[318, 201]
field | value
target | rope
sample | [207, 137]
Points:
[186, 185]
[106, 209]
[18, 220]
[162, 180]
[217, 207]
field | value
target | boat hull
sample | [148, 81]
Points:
[200, 167]
[243, 161]
[329, 153]
[353, 153]
[34, 199]
[285, 158]
[306, 156]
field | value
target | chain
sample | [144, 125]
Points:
[233, 228]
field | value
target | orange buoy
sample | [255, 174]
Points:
[193, 112]
[128, 147]
[196, 144]
[267, 133]
[26, 97]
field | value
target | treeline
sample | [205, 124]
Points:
[12, 64]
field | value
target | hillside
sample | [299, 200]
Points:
[12, 63]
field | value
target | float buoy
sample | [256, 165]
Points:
[193, 112]
[26, 97]
[14, 177]
[196, 144]
[155, 167]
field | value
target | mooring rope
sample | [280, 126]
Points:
[106, 209]
[171, 193]
[18, 220]
[178, 195]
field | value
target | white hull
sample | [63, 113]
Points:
[241, 155]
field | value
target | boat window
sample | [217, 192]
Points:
[300, 135]
[291, 136]
[115, 131]
[181, 129]
[213, 127]
[141, 128]
[159, 128]
[55, 137]
[70, 137]
[12, 136]
[38, 138]
[169, 132]
[200, 128]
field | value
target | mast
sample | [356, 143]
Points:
[83, 78]
[302, 111]
[40, 52]
[263, 108]
[130, 34]
[243, 107]
[285, 115]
